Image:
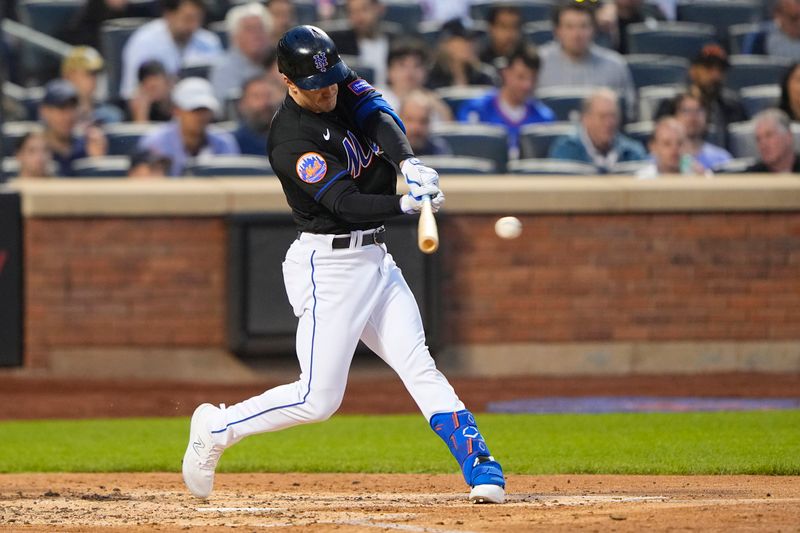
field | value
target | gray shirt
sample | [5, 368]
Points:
[599, 68]
[230, 72]
[781, 45]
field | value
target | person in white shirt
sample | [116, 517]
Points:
[176, 40]
[669, 152]
[249, 27]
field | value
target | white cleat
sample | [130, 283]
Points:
[202, 455]
[487, 494]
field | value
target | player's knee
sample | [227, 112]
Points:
[322, 406]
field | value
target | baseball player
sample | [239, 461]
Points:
[334, 144]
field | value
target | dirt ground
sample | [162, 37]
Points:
[416, 503]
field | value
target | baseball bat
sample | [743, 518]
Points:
[428, 233]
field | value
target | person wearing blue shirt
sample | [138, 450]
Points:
[512, 105]
[598, 141]
[261, 98]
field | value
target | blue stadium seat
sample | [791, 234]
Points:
[737, 35]
[651, 97]
[199, 70]
[654, 69]
[535, 139]
[113, 36]
[405, 12]
[760, 97]
[48, 16]
[305, 11]
[628, 167]
[455, 96]
[565, 100]
[123, 137]
[446, 164]
[236, 165]
[749, 70]
[683, 39]
[221, 30]
[368, 73]
[532, 10]
[113, 166]
[10, 168]
[640, 131]
[488, 141]
[538, 33]
[13, 132]
[721, 15]
[555, 167]
[735, 166]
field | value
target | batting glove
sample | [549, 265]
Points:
[410, 205]
[416, 173]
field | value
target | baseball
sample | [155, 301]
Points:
[508, 227]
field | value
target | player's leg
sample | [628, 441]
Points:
[394, 331]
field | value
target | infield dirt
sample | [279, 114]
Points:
[416, 503]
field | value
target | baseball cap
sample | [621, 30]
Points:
[194, 93]
[712, 55]
[82, 58]
[456, 28]
[150, 157]
[60, 93]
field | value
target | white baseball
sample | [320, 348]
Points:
[508, 227]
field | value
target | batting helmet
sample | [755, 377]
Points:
[308, 57]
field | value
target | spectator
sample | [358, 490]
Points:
[781, 36]
[513, 104]
[689, 111]
[85, 27]
[790, 93]
[146, 164]
[775, 143]
[443, 10]
[176, 39]
[599, 142]
[573, 60]
[283, 17]
[261, 97]
[457, 62]
[59, 112]
[416, 112]
[187, 138]
[81, 68]
[668, 152]
[613, 19]
[151, 99]
[505, 33]
[367, 39]
[706, 81]
[34, 156]
[249, 27]
[406, 71]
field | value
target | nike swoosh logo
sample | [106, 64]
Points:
[327, 134]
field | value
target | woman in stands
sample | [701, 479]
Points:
[790, 92]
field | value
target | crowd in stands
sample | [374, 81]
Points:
[556, 80]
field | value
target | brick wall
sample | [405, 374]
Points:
[648, 277]
[123, 282]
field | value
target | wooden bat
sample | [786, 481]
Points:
[428, 233]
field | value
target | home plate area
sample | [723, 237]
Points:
[397, 502]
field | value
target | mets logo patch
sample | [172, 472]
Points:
[359, 86]
[321, 61]
[311, 167]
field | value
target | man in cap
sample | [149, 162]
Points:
[188, 138]
[81, 68]
[59, 112]
[334, 144]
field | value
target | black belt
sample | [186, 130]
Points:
[343, 241]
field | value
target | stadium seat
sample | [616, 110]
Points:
[368, 73]
[749, 70]
[556, 167]
[13, 132]
[113, 36]
[721, 15]
[48, 16]
[538, 33]
[455, 96]
[737, 35]
[476, 140]
[305, 11]
[199, 70]
[565, 100]
[431, 30]
[628, 167]
[221, 30]
[111, 166]
[683, 39]
[123, 137]
[447, 164]
[232, 165]
[760, 97]
[144, 8]
[650, 98]
[653, 69]
[535, 139]
[10, 168]
[735, 166]
[28, 99]
[532, 10]
[405, 12]
[640, 131]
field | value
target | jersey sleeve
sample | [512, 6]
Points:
[309, 167]
[361, 100]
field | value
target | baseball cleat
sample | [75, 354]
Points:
[202, 455]
[487, 494]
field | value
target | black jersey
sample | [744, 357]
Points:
[321, 158]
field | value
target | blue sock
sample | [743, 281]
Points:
[460, 432]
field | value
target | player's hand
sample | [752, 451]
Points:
[416, 173]
[410, 204]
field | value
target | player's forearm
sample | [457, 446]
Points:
[357, 207]
[389, 136]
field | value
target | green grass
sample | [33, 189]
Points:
[681, 443]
